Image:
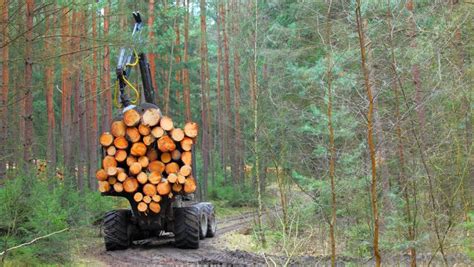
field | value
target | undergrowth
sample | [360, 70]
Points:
[32, 207]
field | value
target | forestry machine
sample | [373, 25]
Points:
[181, 216]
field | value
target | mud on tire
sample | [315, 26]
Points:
[186, 227]
[116, 235]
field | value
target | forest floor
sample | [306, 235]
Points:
[232, 230]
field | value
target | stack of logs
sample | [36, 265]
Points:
[147, 157]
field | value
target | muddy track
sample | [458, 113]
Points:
[161, 251]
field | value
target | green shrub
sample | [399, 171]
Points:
[31, 208]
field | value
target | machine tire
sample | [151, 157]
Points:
[202, 222]
[211, 220]
[116, 234]
[186, 227]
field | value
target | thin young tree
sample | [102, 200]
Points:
[105, 79]
[220, 118]
[28, 98]
[151, 55]
[4, 89]
[185, 72]
[370, 139]
[332, 148]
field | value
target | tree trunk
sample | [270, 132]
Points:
[237, 165]
[204, 101]
[94, 126]
[185, 73]
[28, 100]
[151, 56]
[228, 102]
[4, 92]
[107, 108]
[177, 59]
[49, 85]
[370, 141]
[332, 148]
[220, 117]
[261, 232]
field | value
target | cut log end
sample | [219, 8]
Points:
[118, 129]
[106, 139]
[138, 149]
[142, 207]
[177, 134]
[191, 129]
[163, 188]
[131, 118]
[154, 207]
[151, 117]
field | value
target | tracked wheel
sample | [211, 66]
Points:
[186, 227]
[116, 225]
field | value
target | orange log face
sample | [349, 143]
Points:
[147, 199]
[142, 207]
[112, 180]
[185, 170]
[143, 160]
[131, 118]
[111, 171]
[131, 160]
[133, 134]
[187, 157]
[172, 178]
[121, 155]
[166, 144]
[130, 185]
[177, 134]
[154, 207]
[157, 132]
[154, 178]
[142, 178]
[106, 139]
[121, 142]
[156, 166]
[191, 129]
[190, 185]
[111, 150]
[166, 123]
[166, 157]
[121, 176]
[187, 144]
[149, 189]
[181, 179]
[101, 175]
[172, 167]
[176, 155]
[138, 197]
[151, 117]
[118, 129]
[152, 154]
[163, 188]
[135, 168]
[118, 187]
[138, 149]
[177, 187]
[104, 186]
[108, 161]
[144, 130]
[148, 140]
[156, 198]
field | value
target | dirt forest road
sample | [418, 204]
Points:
[161, 251]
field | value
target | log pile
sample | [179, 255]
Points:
[146, 156]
